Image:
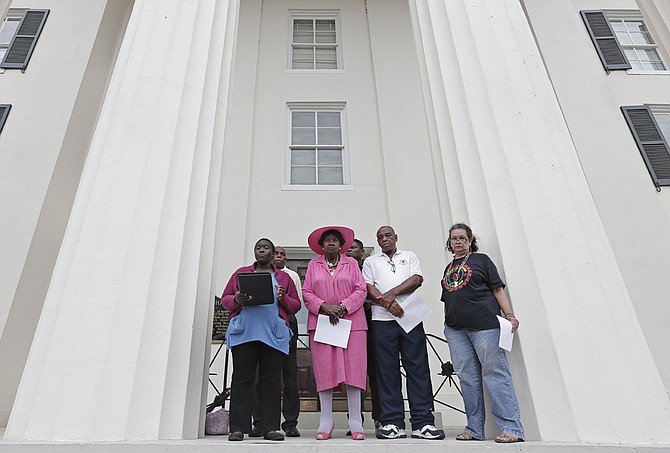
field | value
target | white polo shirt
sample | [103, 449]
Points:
[378, 270]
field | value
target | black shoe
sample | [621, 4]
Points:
[292, 431]
[236, 436]
[256, 432]
[273, 435]
[348, 433]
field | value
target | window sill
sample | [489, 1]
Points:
[315, 71]
[637, 72]
[315, 187]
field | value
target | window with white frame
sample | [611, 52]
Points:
[623, 40]
[10, 23]
[316, 154]
[314, 41]
[635, 40]
[21, 28]
[650, 125]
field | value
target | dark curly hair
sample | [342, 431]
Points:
[335, 233]
[473, 240]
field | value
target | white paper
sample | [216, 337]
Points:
[506, 335]
[416, 310]
[336, 335]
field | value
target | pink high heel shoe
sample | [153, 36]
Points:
[358, 436]
[325, 436]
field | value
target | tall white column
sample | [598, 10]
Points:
[582, 368]
[121, 349]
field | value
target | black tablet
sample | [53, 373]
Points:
[258, 285]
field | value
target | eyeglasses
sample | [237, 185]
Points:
[392, 265]
[461, 239]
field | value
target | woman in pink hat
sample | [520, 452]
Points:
[334, 287]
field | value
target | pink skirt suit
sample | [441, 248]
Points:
[333, 365]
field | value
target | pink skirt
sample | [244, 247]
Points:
[333, 366]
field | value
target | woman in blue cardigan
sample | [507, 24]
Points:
[258, 335]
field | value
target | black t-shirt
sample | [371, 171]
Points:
[469, 301]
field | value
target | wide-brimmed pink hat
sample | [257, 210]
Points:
[347, 234]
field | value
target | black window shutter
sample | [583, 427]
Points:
[4, 111]
[22, 45]
[653, 146]
[610, 52]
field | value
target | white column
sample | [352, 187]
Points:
[582, 368]
[121, 349]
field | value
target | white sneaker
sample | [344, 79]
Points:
[428, 432]
[390, 432]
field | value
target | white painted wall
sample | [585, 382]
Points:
[55, 105]
[635, 216]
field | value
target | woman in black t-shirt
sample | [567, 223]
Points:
[473, 294]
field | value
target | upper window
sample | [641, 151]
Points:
[9, 26]
[19, 33]
[623, 40]
[650, 126]
[314, 41]
[316, 152]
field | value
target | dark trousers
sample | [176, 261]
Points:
[247, 358]
[291, 401]
[392, 341]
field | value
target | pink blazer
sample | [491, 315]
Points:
[345, 285]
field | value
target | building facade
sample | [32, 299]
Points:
[146, 145]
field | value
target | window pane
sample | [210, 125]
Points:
[658, 66]
[325, 32]
[303, 136]
[330, 175]
[303, 157]
[303, 58]
[623, 38]
[303, 31]
[330, 136]
[302, 119]
[617, 25]
[8, 30]
[663, 120]
[330, 157]
[328, 119]
[303, 175]
[326, 58]
[651, 54]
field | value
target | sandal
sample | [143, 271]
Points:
[324, 435]
[507, 438]
[358, 436]
[465, 436]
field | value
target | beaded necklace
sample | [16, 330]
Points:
[332, 266]
[454, 284]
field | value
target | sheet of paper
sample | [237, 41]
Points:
[506, 335]
[416, 310]
[336, 335]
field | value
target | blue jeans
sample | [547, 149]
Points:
[477, 358]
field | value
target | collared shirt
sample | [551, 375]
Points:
[385, 274]
[296, 279]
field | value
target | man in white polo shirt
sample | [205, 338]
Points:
[388, 275]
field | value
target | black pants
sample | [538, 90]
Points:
[247, 358]
[291, 400]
